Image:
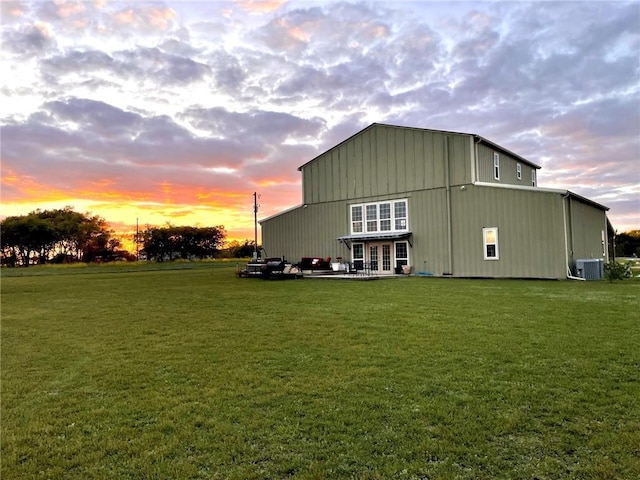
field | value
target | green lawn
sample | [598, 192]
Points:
[179, 373]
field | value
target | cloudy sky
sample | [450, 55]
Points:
[178, 111]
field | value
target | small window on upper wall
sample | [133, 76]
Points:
[533, 178]
[496, 166]
[490, 243]
[519, 171]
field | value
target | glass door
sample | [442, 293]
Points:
[379, 257]
[373, 257]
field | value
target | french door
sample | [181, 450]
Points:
[379, 257]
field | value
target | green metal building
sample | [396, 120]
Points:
[444, 203]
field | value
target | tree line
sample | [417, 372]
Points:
[57, 236]
[66, 236]
[170, 242]
[627, 244]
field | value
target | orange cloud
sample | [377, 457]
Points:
[125, 17]
[66, 9]
[298, 34]
[159, 18]
[260, 6]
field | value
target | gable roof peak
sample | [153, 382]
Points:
[476, 137]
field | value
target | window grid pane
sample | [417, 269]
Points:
[385, 211]
[372, 212]
[356, 213]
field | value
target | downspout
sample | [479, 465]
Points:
[566, 242]
[448, 200]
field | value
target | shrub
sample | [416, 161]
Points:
[617, 271]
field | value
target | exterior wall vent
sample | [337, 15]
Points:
[590, 268]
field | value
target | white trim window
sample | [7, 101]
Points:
[356, 219]
[490, 243]
[357, 255]
[533, 178]
[496, 165]
[374, 217]
[402, 253]
[519, 171]
[385, 217]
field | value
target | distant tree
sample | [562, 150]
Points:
[60, 235]
[27, 238]
[628, 244]
[244, 249]
[171, 242]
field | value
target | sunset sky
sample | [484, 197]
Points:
[178, 111]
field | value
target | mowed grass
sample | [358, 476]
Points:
[195, 374]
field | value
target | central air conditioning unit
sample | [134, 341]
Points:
[590, 268]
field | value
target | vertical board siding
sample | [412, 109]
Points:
[459, 160]
[427, 213]
[385, 160]
[530, 233]
[344, 182]
[419, 163]
[306, 232]
[437, 161]
[381, 161]
[485, 164]
[400, 160]
[369, 166]
[508, 168]
[411, 139]
[587, 223]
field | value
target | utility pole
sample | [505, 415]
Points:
[255, 225]
[137, 240]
